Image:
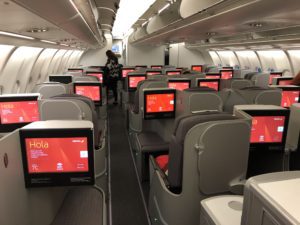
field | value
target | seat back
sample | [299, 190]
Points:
[262, 96]
[85, 78]
[92, 114]
[235, 83]
[259, 79]
[49, 89]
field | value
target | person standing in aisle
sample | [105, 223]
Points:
[112, 66]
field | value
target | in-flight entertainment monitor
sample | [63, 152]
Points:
[75, 70]
[198, 68]
[226, 74]
[140, 67]
[211, 83]
[179, 84]
[92, 90]
[57, 157]
[159, 104]
[173, 72]
[213, 75]
[290, 95]
[269, 128]
[125, 71]
[227, 68]
[284, 80]
[158, 72]
[65, 79]
[157, 67]
[274, 74]
[99, 75]
[17, 111]
[134, 79]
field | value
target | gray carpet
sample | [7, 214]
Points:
[127, 204]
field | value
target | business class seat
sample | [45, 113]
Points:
[76, 107]
[85, 78]
[235, 83]
[269, 199]
[135, 112]
[205, 159]
[258, 79]
[50, 89]
[249, 96]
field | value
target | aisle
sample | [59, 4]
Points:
[126, 200]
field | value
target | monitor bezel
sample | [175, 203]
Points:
[127, 68]
[88, 73]
[199, 80]
[180, 81]
[283, 79]
[197, 66]
[159, 115]
[227, 68]
[98, 84]
[290, 88]
[224, 70]
[155, 67]
[207, 75]
[61, 76]
[75, 70]
[268, 113]
[172, 71]
[132, 89]
[64, 178]
[5, 128]
[140, 66]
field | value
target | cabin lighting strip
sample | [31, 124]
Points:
[50, 42]
[164, 8]
[16, 35]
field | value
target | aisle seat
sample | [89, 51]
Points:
[49, 89]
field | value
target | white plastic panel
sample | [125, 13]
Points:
[180, 56]
[77, 59]
[18, 68]
[63, 64]
[228, 58]
[5, 51]
[54, 66]
[295, 58]
[274, 60]
[190, 7]
[40, 69]
[248, 60]
[215, 58]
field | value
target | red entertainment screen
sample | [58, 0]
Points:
[156, 67]
[133, 81]
[197, 68]
[173, 72]
[19, 112]
[126, 71]
[225, 75]
[57, 155]
[179, 85]
[160, 103]
[267, 129]
[153, 73]
[93, 92]
[210, 84]
[98, 75]
[289, 98]
[212, 76]
[273, 76]
[285, 82]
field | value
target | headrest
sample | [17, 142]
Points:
[256, 88]
[200, 89]
[250, 75]
[75, 96]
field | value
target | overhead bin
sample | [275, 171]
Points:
[64, 15]
[190, 7]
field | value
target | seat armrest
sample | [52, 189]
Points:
[163, 176]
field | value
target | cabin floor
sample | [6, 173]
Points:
[128, 206]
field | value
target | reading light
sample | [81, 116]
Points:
[50, 42]
[16, 35]
[37, 30]
[164, 8]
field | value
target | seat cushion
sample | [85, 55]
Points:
[162, 162]
[151, 142]
[82, 206]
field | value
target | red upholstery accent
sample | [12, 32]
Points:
[162, 161]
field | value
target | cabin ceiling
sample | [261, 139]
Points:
[82, 28]
[232, 22]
